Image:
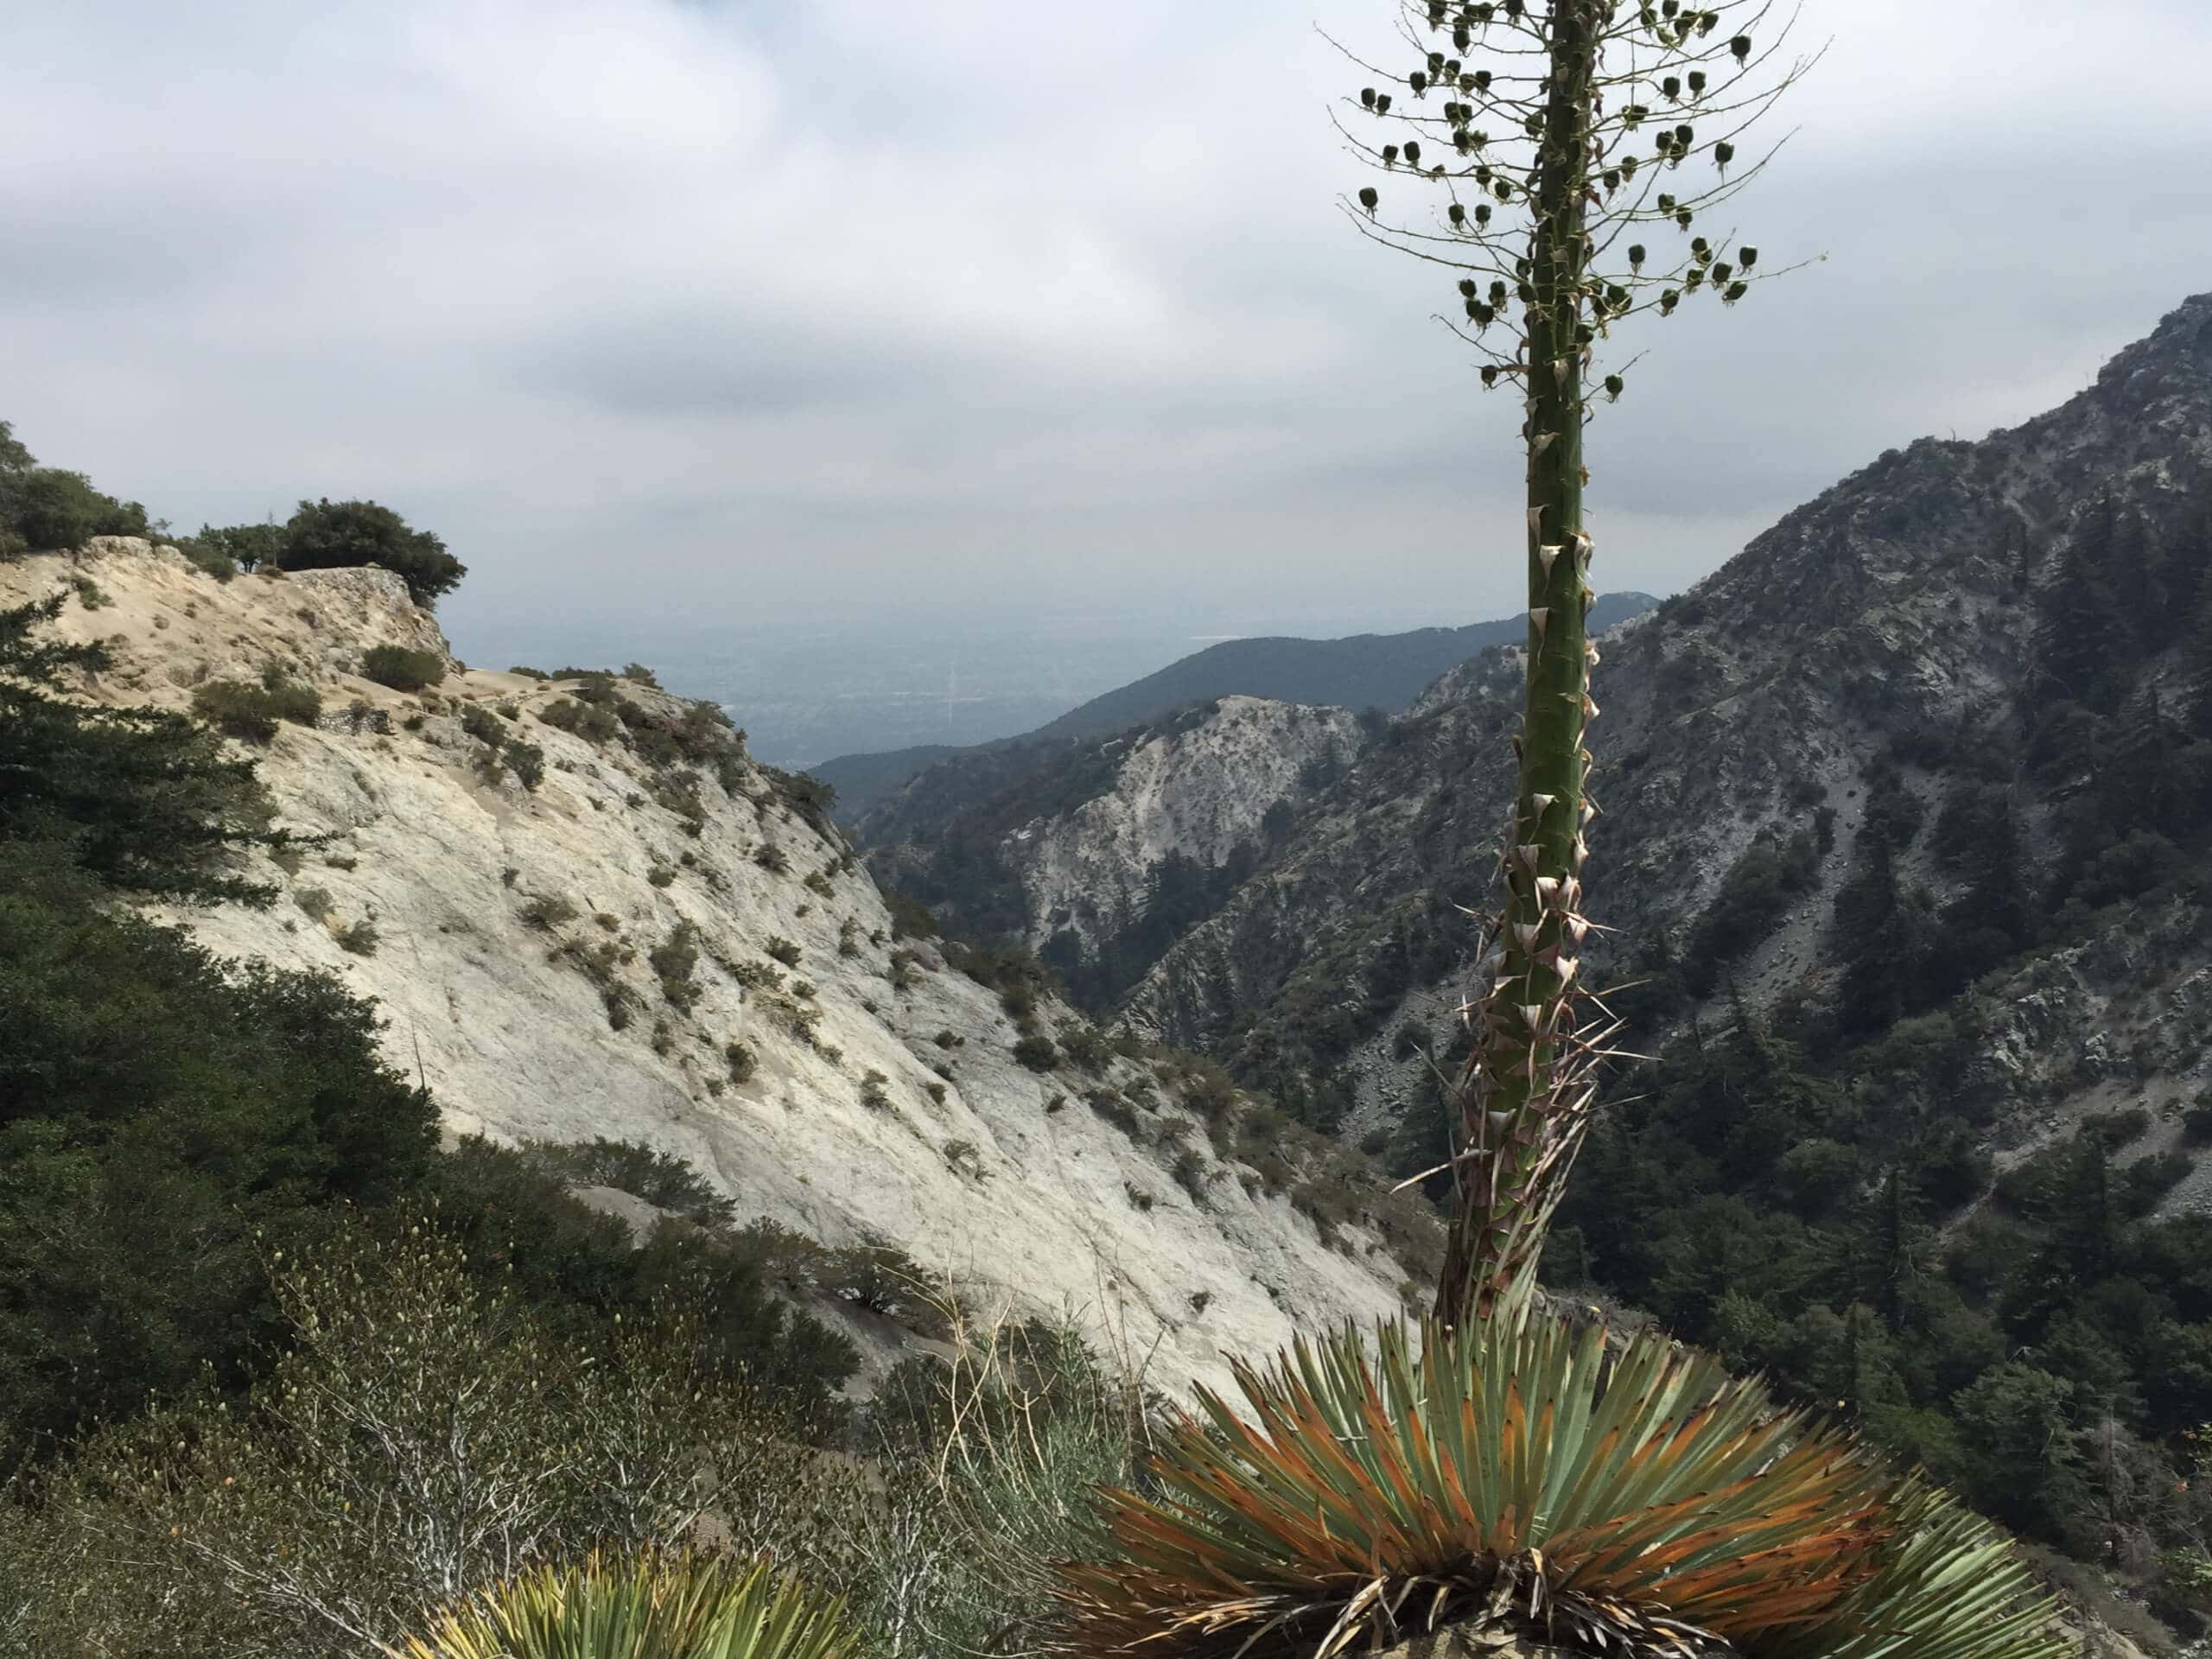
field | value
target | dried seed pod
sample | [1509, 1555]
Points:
[1723, 153]
[1632, 116]
[1466, 284]
[1700, 246]
[1671, 88]
[1666, 204]
[1741, 45]
[1382, 103]
[1735, 291]
[1683, 137]
[1614, 386]
[1668, 299]
[1635, 255]
[1418, 81]
[1461, 38]
[1723, 271]
[1368, 200]
[1482, 212]
[1481, 80]
[1412, 154]
[1489, 375]
[1682, 218]
[1367, 96]
[1389, 155]
[1747, 257]
[1696, 81]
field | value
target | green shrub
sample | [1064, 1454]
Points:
[400, 669]
[326, 535]
[234, 547]
[661, 1179]
[50, 510]
[482, 725]
[546, 912]
[360, 939]
[170, 1119]
[208, 561]
[1037, 1052]
[772, 858]
[252, 712]
[530, 673]
[742, 1061]
[504, 1429]
[782, 950]
[315, 902]
[593, 725]
[525, 760]
[1191, 1174]
[675, 960]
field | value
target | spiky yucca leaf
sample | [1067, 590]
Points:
[1518, 1471]
[650, 1607]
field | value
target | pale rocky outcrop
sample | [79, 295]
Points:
[1009, 1184]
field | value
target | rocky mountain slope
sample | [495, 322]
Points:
[1901, 620]
[642, 934]
[1097, 856]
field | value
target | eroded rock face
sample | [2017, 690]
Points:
[1894, 608]
[507, 922]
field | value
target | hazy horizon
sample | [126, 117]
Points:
[853, 685]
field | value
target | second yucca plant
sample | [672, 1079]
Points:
[648, 1607]
[1526, 1477]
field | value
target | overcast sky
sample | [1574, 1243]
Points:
[793, 314]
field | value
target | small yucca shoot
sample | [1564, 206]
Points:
[649, 1607]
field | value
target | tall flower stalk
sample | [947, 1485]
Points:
[1546, 139]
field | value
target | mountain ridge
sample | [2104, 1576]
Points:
[1354, 671]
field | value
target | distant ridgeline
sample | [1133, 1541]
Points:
[1364, 670]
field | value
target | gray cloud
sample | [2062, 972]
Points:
[833, 309]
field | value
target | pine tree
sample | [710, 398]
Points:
[2083, 640]
[2196, 669]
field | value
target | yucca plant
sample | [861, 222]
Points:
[1524, 1476]
[649, 1606]
[1541, 142]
